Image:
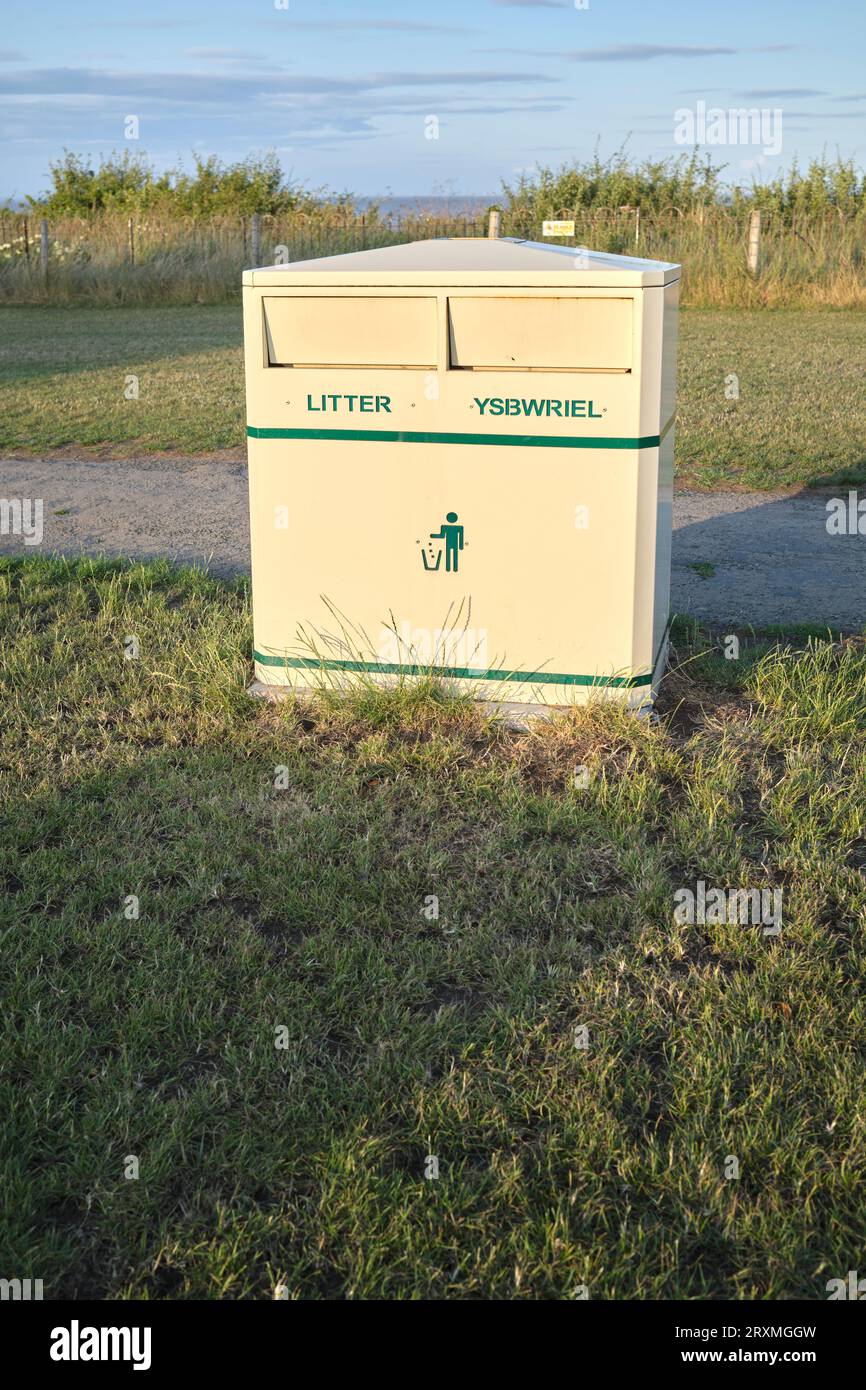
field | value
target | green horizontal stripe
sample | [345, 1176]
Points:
[533, 441]
[472, 673]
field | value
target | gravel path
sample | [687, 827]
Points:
[772, 558]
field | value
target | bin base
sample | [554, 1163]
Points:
[515, 714]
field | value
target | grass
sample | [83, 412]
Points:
[406, 1034]
[799, 416]
[798, 419]
[63, 374]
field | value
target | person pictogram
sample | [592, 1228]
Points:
[451, 532]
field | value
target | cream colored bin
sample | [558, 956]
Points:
[461, 458]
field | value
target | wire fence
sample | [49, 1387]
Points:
[728, 256]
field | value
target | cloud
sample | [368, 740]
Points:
[821, 115]
[234, 54]
[400, 26]
[634, 53]
[766, 92]
[10, 55]
[644, 52]
[788, 115]
[136, 24]
[186, 87]
[546, 107]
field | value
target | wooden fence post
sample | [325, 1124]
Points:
[256, 238]
[43, 245]
[131, 231]
[637, 226]
[27, 240]
[754, 240]
[493, 223]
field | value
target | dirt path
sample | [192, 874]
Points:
[771, 556]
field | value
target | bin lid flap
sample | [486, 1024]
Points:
[472, 260]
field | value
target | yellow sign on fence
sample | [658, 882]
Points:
[558, 228]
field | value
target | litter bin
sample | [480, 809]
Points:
[461, 460]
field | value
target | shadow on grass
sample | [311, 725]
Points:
[237, 985]
[39, 341]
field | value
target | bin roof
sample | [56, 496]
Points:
[471, 261]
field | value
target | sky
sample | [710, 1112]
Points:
[384, 97]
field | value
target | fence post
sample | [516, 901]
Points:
[131, 230]
[27, 240]
[754, 240]
[493, 223]
[637, 226]
[256, 237]
[43, 245]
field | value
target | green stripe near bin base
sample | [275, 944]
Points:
[531, 441]
[471, 673]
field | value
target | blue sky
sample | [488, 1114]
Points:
[343, 91]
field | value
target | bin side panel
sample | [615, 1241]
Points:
[664, 522]
[645, 540]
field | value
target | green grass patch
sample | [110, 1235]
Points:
[64, 379]
[290, 907]
[798, 418]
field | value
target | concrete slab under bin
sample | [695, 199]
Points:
[513, 713]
